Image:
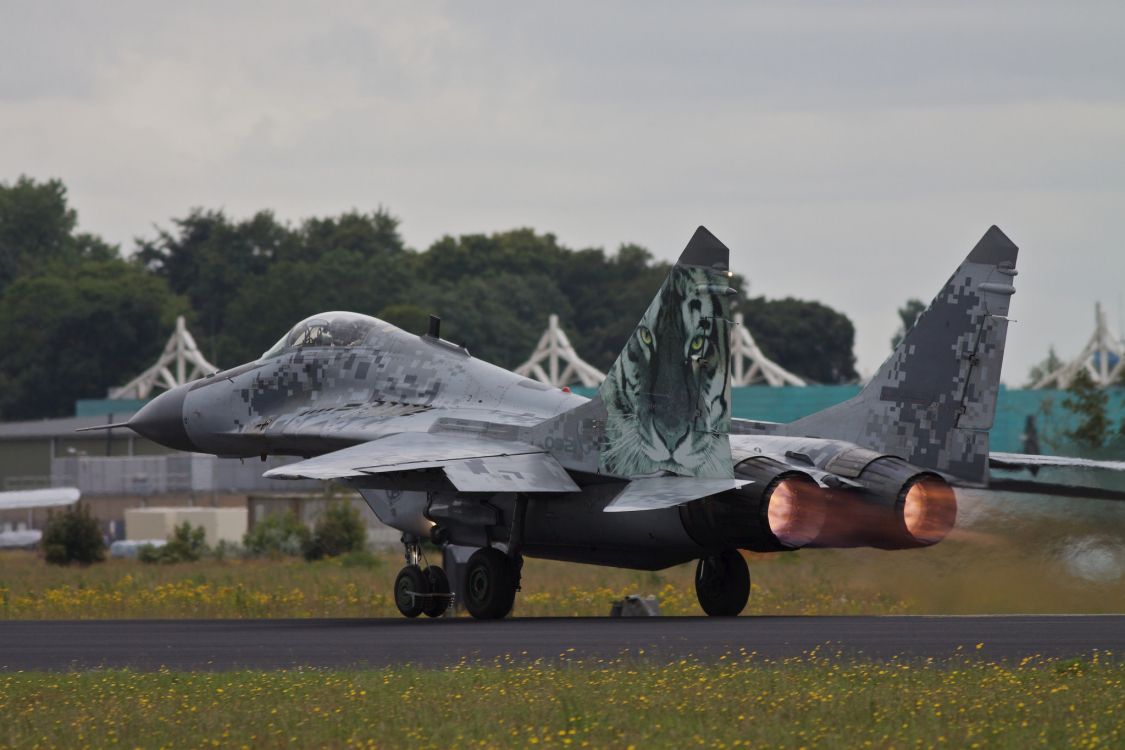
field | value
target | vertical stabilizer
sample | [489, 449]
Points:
[667, 396]
[933, 401]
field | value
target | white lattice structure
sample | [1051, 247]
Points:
[750, 366]
[556, 363]
[181, 362]
[1103, 358]
[554, 350]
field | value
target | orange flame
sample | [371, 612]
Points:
[929, 510]
[796, 511]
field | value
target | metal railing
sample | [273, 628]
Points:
[159, 475]
[28, 482]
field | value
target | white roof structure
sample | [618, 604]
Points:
[553, 350]
[750, 366]
[1103, 358]
[181, 362]
[555, 362]
[51, 497]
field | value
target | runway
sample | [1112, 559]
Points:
[272, 644]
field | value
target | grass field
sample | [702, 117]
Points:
[1013, 556]
[1013, 562]
[742, 701]
[30, 589]
[955, 577]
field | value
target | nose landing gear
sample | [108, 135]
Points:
[440, 597]
[722, 583]
[421, 591]
[487, 581]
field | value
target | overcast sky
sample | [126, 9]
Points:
[846, 152]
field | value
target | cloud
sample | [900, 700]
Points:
[851, 153]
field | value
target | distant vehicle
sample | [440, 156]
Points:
[650, 472]
[132, 547]
[53, 497]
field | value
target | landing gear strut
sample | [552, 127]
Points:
[421, 591]
[722, 583]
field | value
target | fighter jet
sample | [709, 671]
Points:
[651, 472]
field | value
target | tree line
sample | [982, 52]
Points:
[79, 315]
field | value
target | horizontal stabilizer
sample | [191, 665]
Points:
[46, 498]
[653, 493]
[471, 464]
[1049, 482]
[1030, 460]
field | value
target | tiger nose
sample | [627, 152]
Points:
[672, 442]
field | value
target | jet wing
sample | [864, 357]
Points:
[652, 493]
[47, 498]
[470, 463]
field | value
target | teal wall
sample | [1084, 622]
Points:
[787, 404]
[100, 407]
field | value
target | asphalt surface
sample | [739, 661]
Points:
[271, 644]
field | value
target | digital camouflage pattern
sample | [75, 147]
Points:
[934, 399]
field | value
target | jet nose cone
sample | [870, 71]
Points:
[162, 420]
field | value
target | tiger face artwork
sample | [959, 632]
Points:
[667, 396]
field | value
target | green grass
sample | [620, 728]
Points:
[740, 701]
[955, 577]
[1065, 557]
[31, 589]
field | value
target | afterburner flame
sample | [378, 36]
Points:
[796, 511]
[929, 510]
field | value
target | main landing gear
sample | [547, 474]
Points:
[722, 583]
[421, 590]
[491, 581]
[492, 577]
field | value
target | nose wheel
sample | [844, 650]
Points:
[722, 583]
[420, 590]
[440, 596]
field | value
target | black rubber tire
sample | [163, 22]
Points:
[411, 578]
[439, 585]
[490, 584]
[722, 583]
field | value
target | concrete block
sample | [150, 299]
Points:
[219, 524]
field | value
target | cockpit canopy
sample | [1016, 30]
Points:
[331, 329]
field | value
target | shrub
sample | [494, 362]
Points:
[276, 535]
[339, 530]
[224, 550]
[361, 558]
[73, 536]
[186, 544]
[149, 553]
